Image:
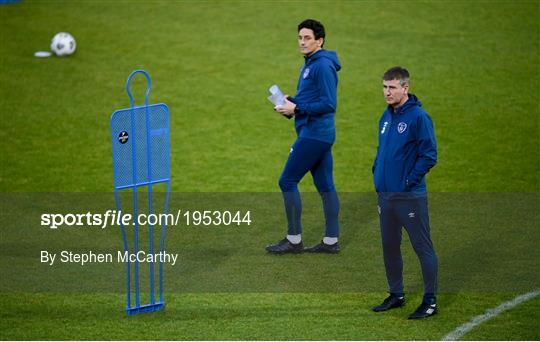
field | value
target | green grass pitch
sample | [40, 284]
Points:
[474, 65]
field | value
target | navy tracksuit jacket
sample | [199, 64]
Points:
[407, 151]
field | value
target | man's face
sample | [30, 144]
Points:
[394, 93]
[307, 42]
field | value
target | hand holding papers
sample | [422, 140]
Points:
[277, 98]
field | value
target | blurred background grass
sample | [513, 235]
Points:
[474, 65]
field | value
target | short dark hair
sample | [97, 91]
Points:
[316, 26]
[397, 73]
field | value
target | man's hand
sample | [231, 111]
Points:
[287, 109]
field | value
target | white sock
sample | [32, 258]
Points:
[296, 239]
[329, 240]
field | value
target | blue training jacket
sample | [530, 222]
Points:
[407, 149]
[316, 97]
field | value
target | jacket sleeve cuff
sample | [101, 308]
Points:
[297, 110]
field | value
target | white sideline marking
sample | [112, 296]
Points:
[489, 314]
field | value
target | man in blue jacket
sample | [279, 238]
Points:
[407, 151]
[313, 108]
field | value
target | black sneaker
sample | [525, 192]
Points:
[391, 302]
[324, 248]
[423, 311]
[285, 246]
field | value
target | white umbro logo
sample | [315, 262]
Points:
[384, 127]
[412, 215]
[430, 311]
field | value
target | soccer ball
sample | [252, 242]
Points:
[63, 44]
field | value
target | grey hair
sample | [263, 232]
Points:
[397, 73]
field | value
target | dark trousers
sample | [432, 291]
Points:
[411, 213]
[316, 157]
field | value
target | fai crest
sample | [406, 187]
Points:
[401, 127]
[306, 73]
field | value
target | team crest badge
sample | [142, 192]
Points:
[401, 127]
[306, 73]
